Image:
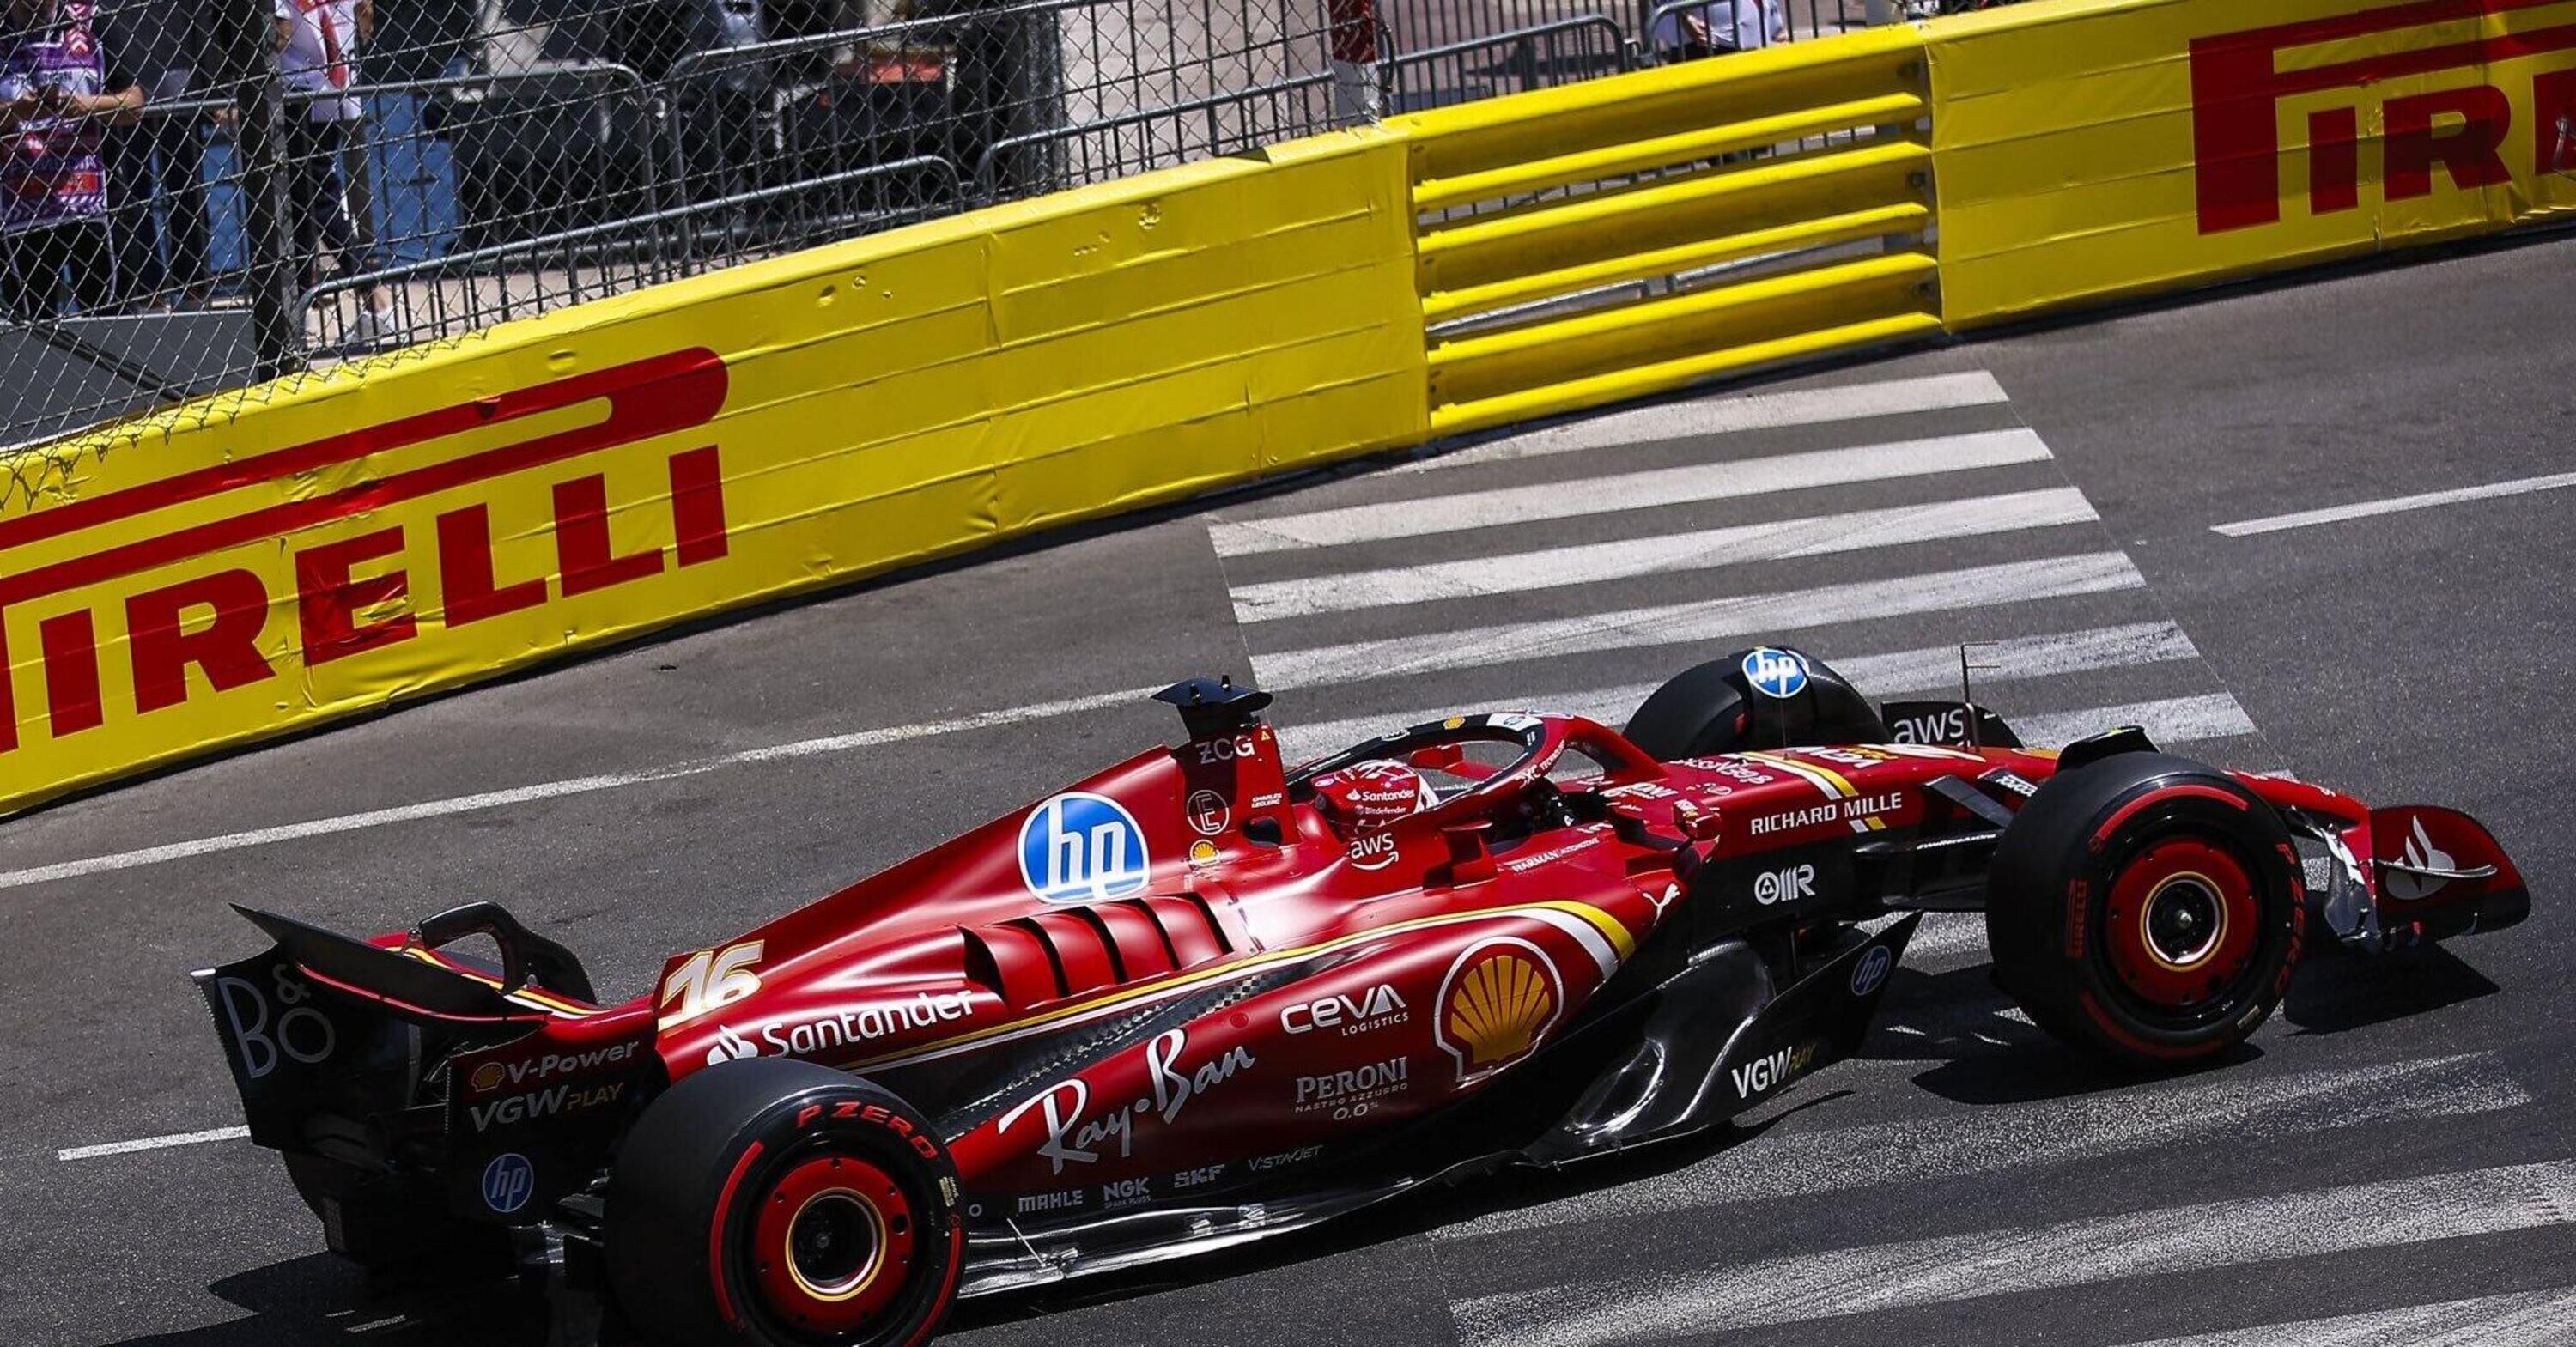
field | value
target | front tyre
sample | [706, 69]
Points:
[2147, 908]
[785, 1204]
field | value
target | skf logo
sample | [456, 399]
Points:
[207, 630]
[2239, 80]
[1786, 885]
[1498, 999]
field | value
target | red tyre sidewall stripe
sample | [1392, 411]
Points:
[948, 1291]
[2111, 1028]
[716, 1233]
[2102, 835]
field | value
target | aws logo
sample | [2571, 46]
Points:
[1500, 997]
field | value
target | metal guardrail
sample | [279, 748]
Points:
[463, 266]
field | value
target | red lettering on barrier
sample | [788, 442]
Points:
[70, 645]
[465, 570]
[643, 400]
[2471, 150]
[2237, 85]
[2334, 160]
[227, 649]
[697, 506]
[582, 546]
[2553, 141]
[328, 599]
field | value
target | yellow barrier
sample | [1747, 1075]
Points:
[255, 564]
[2091, 149]
[241, 568]
[1552, 219]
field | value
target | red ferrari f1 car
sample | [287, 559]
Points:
[1201, 998]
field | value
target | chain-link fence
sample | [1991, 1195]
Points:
[198, 197]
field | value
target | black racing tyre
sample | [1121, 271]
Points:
[779, 1203]
[2147, 908]
[1698, 711]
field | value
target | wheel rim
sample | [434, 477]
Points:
[834, 1245]
[2184, 925]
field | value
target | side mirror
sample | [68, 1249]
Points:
[1438, 757]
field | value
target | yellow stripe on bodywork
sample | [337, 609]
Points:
[1609, 927]
[1831, 783]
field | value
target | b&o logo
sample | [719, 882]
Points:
[1779, 674]
[1079, 848]
[508, 1182]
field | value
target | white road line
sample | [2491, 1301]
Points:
[1949, 1268]
[1718, 416]
[2058, 1131]
[1928, 669]
[1625, 491]
[2173, 720]
[549, 790]
[153, 1143]
[2523, 1319]
[1703, 620]
[2336, 514]
[1628, 558]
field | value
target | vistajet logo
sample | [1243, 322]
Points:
[2239, 81]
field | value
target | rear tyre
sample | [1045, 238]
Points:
[784, 1204]
[2146, 908]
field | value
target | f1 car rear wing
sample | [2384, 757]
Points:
[323, 1026]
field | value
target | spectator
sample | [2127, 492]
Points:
[1716, 28]
[59, 92]
[321, 40]
[162, 256]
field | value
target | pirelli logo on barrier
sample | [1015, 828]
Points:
[2505, 106]
[227, 600]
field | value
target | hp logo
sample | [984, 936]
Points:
[508, 1181]
[1780, 674]
[1871, 970]
[1080, 848]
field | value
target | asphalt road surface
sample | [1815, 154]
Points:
[2393, 1161]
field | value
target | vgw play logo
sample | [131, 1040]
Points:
[1081, 848]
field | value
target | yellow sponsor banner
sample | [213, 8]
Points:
[2089, 149]
[256, 563]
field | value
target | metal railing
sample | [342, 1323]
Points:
[513, 168]
[469, 291]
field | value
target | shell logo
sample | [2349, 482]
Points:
[1500, 997]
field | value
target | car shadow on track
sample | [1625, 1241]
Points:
[2337, 990]
[1972, 1045]
[321, 1298]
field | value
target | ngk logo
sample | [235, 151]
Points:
[2469, 134]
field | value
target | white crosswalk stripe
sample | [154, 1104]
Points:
[2201, 1238]
[1572, 585]
[2064, 639]
[1928, 669]
[2523, 1319]
[1718, 416]
[1720, 619]
[1626, 491]
[2057, 1131]
[1628, 558]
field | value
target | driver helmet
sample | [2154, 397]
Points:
[1367, 796]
